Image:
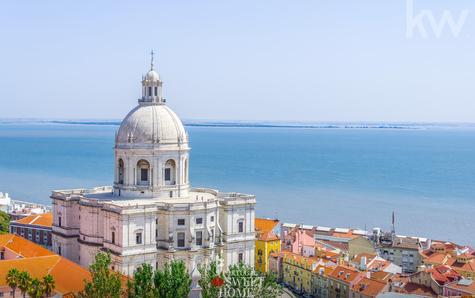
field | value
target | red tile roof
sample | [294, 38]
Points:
[443, 274]
[267, 236]
[416, 289]
[38, 261]
[466, 286]
[265, 224]
[22, 246]
[369, 287]
[345, 274]
[44, 220]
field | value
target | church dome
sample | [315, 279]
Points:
[151, 124]
[152, 75]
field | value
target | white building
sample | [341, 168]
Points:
[5, 202]
[151, 214]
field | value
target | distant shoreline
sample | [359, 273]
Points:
[264, 124]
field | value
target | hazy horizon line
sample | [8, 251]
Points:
[86, 120]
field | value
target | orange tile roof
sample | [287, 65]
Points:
[443, 274]
[289, 256]
[369, 257]
[417, 289]
[381, 275]
[22, 246]
[345, 274]
[69, 276]
[326, 270]
[369, 287]
[348, 235]
[437, 258]
[44, 220]
[468, 288]
[470, 266]
[378, 265]
[267, 236]
[38, 261]
[265, 224]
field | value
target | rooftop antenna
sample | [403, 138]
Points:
[393, 228]
[152, 53]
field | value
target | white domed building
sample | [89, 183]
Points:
[151, 214]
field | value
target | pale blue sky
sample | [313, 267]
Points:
[250, 60]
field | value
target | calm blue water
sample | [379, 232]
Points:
[331, 177]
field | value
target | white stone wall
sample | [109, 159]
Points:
[157, 158]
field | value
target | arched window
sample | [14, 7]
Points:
[121, 171]
[143, 172]
[170, 172]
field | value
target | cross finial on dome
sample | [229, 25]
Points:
[151, 60]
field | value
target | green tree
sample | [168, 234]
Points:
[105, 282]
[173, 281]
[48, 284]
[24, 280]
[208, 273]
[143, 285]
[36, 289]
[4, 223]
[13, 279]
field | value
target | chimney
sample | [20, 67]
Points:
[363, 263]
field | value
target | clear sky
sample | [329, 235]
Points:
[240, 60]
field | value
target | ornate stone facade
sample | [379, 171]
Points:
[151, 214]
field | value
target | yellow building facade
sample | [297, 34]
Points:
[297, 272]
[267, 242]
[264, 247]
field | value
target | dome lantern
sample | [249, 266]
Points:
[151, 86]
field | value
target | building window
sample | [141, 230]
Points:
[212, 236]
[240, 257]
[113, 237]
[180, 239]
[241, 226]
[199, 220]
[170, 169]
[138, 238]
[212, 219]
[149, 91]
[143, 172]
[59, 221]
[181, 221]
[199, 238]
[121, 171]
[155, 91]
[59, 250]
